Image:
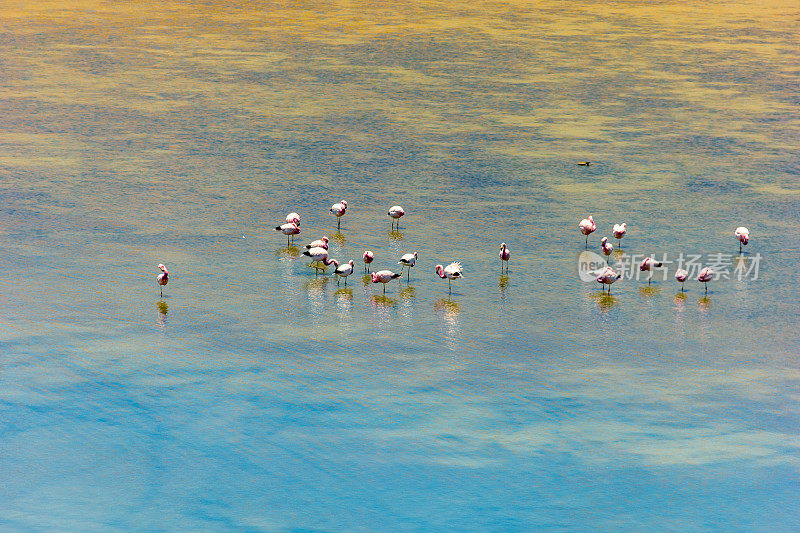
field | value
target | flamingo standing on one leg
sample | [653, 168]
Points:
[743, 236]
[647, 265]
[290, 228]
[319, 243]
[505, 255]
[706, 275]
[607, 277]
[368, 258]
[384, 276]
[681, 275]
[587, 227]
[339, 210]
[293, 217]
[408, 260]
[450, 272]
[343, 271]
[396, 212]
[606, 246]
[318, 255]
[619, 233]
[163, 278]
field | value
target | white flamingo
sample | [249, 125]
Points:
[587, 227]
[607, 276]
[163, 278]
[339, 210]
[368, 258]
[743, 236]
[607, 246]
[450, 272]
[318, 255]
[293, 217]
[706, 275]
[319, 243]
[681, 276]
[290, 228]
[505, 255]
[408, 260]
[342, 271]
[384, 276]
[647, 265]
[396, 212]
[619, 233]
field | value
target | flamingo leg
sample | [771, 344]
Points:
[162, 292]
[384, 288]
[587, 241]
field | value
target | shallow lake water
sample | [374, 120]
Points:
[258, 396]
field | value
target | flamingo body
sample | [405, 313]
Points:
[742, 235]
[408, 260]
[342, 271]
[607, 246]
[319, 243]
[396, 212]
[293, 217]
[505, 255]
[384, 276]
[450, 272]
[339, 210]
[163, 278]
[607, 277]
[706, 275]
[368, 258]
[587, 227]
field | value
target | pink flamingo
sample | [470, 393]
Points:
[408, 260]
[384, 276]
[319, 243]
[619, 233]
[368, 258]
[318, 255]
[607, 246]
[587, 227]
[706, 275]
[343, 271]
[339, 210]
[743, 236]
[607, 277]
[396, 212]
[450, 272]
[647, 265]
[681, 275]
[163, 278]
[505, 255]
[290, 228]
[293, 217]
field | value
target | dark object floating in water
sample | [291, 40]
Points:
[584, 163]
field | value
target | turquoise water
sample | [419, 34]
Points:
[256, 396]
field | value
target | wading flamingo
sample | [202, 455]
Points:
[619, 233]
[647, 265]
[293, 217]
[339, 210]
[368, 258]
[681, 275]
[408, 260]
[396, 212]
[606, 246]
[384, 276]
[319, 243]
[290, 228]
[587, 227]
[706, 275]
[318, 255]
[163, 278]
[607, 276]
[505, 255]
[743, 236]
[450, 272]
[343, 271]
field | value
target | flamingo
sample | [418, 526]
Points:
[408, 260]
[450, 272]
[742, 235]
[293, 217]
[368, 258]
[384, 276]
[607, 276]
[290, 228]
[587, 226]
[396, 212]
[706, 275]
[607, 246]
[319, 243]
[647, 265]
[505, 255]
[681, 275]
[318, 255]
[163, 278]
[343, 271]
[339, 210]
[619, 233]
